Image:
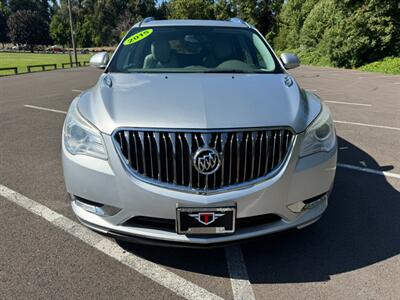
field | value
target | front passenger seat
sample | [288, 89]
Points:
[161, 56]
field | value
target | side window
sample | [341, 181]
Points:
[264, 57]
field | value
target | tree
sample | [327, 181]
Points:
[162, 11]
[86, 34]
[347, 33]
[191, 9]
[103, 21]
[28, 27]
[290, 22]
[140, 9]
[40, 6]
[367, 34]
[3, 28]
[54, 7]
[59, 27]
[224, 10]
[16, 5]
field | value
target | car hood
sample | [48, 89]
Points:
[198, 101]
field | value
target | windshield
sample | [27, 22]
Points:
[193, 49]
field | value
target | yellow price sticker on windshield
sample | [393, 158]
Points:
[138, 37]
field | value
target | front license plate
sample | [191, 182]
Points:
[205, 220]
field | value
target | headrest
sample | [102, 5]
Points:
[161, 50]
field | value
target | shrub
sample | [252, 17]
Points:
[390, 65]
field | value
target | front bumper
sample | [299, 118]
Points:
[108, 183]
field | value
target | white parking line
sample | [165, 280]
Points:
[367, 125]
[45, 109]
[347, 103]
[151, 270]
[241, 286]
[78, 91]
[368, 170]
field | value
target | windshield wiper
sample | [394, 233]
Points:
[227, 71]
[234, 71]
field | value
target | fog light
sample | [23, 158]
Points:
[95, 208]
[307, 204]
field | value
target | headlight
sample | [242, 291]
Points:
[81, 137]
[320, 136]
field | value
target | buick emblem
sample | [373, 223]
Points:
[206, 218]
[206, 161]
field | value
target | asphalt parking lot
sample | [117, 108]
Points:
[352, 252]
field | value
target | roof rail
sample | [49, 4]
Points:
[239, 20]
[146, 20]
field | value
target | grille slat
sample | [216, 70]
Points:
[239, 137]
[172, 140]
[230, 159]
[245, 156]
[280, 144]
[253, 152]
[157, 140]
[142, 150]
[273, 149]
[188, 138]
[127, 138]
[266, 153]
[166, 157]
[223, 141]
[182, 165]
[166, 170]
[260, 153]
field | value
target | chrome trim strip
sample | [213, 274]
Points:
[151, 153]
[188, 138]
[126, 135]
[230, 160]
[253, 152]
[259, 154]
[223, 139]
[172, 139]
[182, 160]
[266, 152]
[273, 150]
[157, 138]
[245, 156]
[141, 136]
[166, 156]
[239, 138]
[280, 146]
[136, 150]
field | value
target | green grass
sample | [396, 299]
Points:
[390, 65]
[21, 60]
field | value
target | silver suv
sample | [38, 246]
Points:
[195, 134]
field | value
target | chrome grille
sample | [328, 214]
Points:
[166, 157]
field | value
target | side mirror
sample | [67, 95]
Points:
[290, 60]
[99, 60]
